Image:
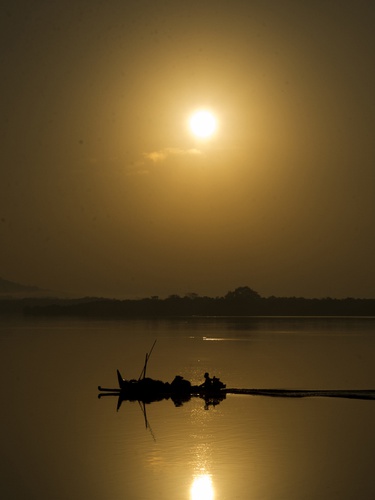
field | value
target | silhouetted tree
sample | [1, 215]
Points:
[242, 294]
[174, 296]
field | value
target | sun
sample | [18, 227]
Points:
[202, 488]
[203, 124]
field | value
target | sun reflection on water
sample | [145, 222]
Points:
[202, 488]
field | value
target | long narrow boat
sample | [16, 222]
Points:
[148, 390]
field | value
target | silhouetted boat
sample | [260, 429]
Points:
[147, 390]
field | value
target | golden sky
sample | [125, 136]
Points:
[104, 190]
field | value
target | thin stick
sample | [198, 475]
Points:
[143, 372]
[147, 423]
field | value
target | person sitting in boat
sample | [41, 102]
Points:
[207, 384]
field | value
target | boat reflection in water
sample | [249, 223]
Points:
[202, 488]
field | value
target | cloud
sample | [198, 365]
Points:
[163, 154]
[142, 166]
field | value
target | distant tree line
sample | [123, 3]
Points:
[243, 301]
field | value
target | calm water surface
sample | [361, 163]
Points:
[58, 440]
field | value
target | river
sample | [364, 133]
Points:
[60, 441]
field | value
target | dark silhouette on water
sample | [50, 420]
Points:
[180, 390]
[207, 381]
[146, 390]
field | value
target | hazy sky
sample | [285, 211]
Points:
[105, 191]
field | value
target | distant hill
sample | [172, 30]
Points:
[10, 288]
